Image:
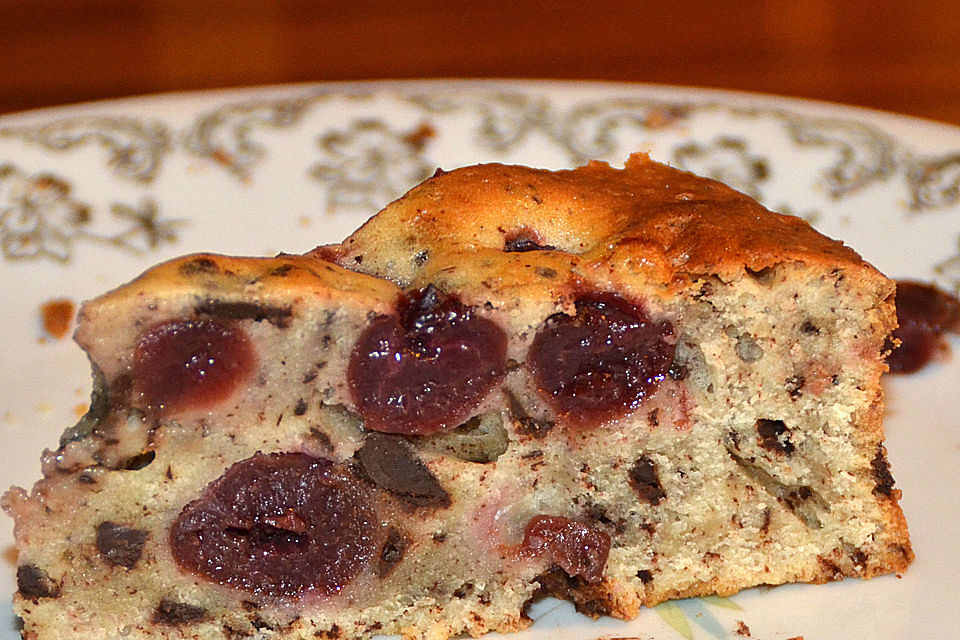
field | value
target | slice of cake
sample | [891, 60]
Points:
[611, 386]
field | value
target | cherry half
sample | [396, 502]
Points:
[426, 368]
[602, 362]
[183, 364]
[576, 548]
[924, 313]
[281, 524]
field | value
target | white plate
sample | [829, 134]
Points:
[91, 195]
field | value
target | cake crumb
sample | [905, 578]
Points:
[419, 137]
[10, 555]
[57, 316]
[742, 629]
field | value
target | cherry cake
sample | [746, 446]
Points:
[612, 386]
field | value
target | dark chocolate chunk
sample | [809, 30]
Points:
[246, 310]
[34, 582]
[645, 576]
[600, 515]
[805, 503]
[171, 612]
[645, 480]
[198, 265]
[300, 408]
[678, 371]
[794, 386]
[524, 240]
[527, 424]
[881, 474]
[391, 463]
[391, 553]
[591, 600]
[546, 272]
[763, 276]
[119, 544]
[808, 328]
[774, 436]
[99, 406]
[139, 461]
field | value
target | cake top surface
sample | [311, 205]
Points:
[499, 226]
[671, 221]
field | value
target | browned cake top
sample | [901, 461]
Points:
[676, 223]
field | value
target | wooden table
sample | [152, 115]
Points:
[899, 56]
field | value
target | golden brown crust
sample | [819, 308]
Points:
[675, 222]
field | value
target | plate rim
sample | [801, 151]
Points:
[407, 85]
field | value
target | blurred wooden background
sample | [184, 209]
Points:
[899, 56]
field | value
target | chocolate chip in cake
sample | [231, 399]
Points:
[420, 258]
[589, 599]
[246, 310]
[99, 407]
[774, 436]
[119, 544]
[678, 371]
[140, 461]
[173, 613]
[763, 276]
[794, 386]
[34, 582]
[809, 329]
[391, 553]
[198, 265]
[600, 515]
[646, 481]
[300, 408]
[391, 463]
[645, 576]
[322, 439]
[523, 240]
[881, 474]
[526, 424]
